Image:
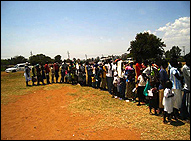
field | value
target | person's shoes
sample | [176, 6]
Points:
[139, 104]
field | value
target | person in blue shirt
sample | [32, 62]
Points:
[163, 78]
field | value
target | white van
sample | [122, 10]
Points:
[17, 67]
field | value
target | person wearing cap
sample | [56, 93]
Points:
[27, 73]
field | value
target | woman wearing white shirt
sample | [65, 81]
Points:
[140, 87]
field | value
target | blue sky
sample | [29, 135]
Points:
[94, 28]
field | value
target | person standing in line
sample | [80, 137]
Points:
[98, 78]
[63, 71]
[153, 97]
[43, 73]
[122, 87]
[52, 72]
[109, 76]
[185, 107]
[176, 79]
[27, 73]
[138, 67]
[168, 100]
[87, 72]
[141, 81]
[163, 78]
[119, 68]
[56, 69]
[81, 78]
[34, 74]
[38, 74]
[47, 70]
[103, 77]
[130, 80]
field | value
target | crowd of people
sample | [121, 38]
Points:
[163, 86]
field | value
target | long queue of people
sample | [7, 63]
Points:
[163, 86]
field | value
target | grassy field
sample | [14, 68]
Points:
[115, 112]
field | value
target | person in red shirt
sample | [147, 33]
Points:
[138, 67]
[47, 70]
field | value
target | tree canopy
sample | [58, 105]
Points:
[146, 46]
[40, 59]
[174, 52]
[57, 58]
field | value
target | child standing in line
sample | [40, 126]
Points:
[153, 97]
[168, 101]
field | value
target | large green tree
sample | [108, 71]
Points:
[18, 59]
[40, 59]
[146, 46]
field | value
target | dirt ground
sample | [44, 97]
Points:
[44, 115]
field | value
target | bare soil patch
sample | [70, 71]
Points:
[44, 115]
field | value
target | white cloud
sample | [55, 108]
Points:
[177, 33]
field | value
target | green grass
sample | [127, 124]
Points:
[94, 102]
[13, 85]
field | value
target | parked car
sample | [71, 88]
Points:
[18, 67]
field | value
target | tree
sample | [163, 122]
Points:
[174, 52]
[40, 59]
[167, 54]
[57, 58]
[18, 59]
[146, 46]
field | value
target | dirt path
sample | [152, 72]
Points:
[43, 115]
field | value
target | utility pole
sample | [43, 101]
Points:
[68, 54]
[183, 50]
[31, 53]
[86, 56]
